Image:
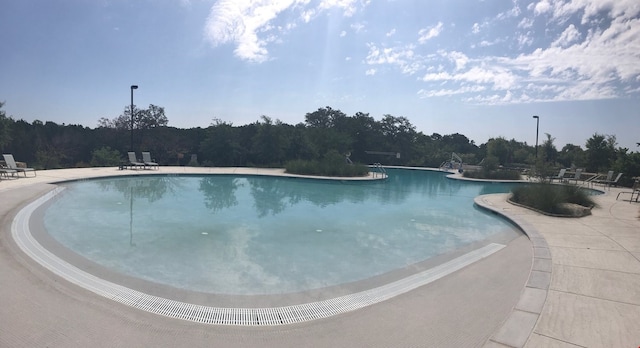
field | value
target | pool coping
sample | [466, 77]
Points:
[517, 328]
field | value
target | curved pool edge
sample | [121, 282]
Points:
[519, 325]
[224, 315]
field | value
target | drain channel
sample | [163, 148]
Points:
[221, 315]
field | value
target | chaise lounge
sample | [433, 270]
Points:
[133, 161]
[11, 164]
[146, 159]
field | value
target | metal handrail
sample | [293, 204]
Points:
[380, 169]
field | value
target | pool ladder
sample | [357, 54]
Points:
[379, 170]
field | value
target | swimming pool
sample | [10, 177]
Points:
[252, 235]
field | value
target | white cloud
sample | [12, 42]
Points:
[485, 43]
[525, 23]
[357, 27]
[424, 93]
[390, 33]
[475, 28]
[248, 24]
[597, 59]
[542, 7]
[525, 39]
[350, 7]
[513, 12]
[370, 72]
[343, 33]
[459, 58]
[568, 36]
[499, 77]
[429, 33]
[402, 57]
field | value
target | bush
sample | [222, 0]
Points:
[551, 198]
[492, 175]
[333, 164]
[105, 157]
[491, 171]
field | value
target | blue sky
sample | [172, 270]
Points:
[479, 68]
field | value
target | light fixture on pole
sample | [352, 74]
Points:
[537, 128]
[131, 111]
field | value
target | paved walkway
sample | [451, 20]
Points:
[585, 282]
[578, 286]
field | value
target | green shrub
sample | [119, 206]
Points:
[549, 198]
[105, 157]
[333, 164]
[492, 175]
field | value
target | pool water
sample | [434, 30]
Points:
[250, 235]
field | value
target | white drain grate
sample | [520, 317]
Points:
[220, 315]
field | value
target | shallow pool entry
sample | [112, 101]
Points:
[251, 235]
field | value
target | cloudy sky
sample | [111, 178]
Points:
[481, 68]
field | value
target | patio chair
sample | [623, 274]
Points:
[576, 176]
[604, 181]
[11, 164]
[146, 159]
[614, 182]
[6, 172]
[133, 161]
[635, 191]
[558, 177]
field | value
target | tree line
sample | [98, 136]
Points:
[267, 142]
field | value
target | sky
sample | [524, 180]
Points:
[481, 68]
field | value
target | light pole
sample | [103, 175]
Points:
[131, 111]
[537, 128]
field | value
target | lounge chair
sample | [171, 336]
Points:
[604, 182]
[11, 164]
[7, 171]
[635, 191]
[146, 159]
[558, 177]
[576, 176]
[133, 161]
[612, 182]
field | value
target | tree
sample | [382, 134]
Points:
[269, 143]
[572, 156]
[104, 157]
[143, 118]
[221, 146]
[499, 148]
[5, 131]
[549, 151]
[600, 152]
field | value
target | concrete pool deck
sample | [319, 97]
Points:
[582, 277]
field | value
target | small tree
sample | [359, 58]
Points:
[105, 157]
[5, 132]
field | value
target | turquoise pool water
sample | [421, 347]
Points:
[251, 235]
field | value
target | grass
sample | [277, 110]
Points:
[551, 198]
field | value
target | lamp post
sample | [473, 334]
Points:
[131, 111]
[537, 128]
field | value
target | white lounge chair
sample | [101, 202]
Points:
[7, 171]
[11, 164]
[133, 161]
[613, 182]
[146, 159]
[576, 176]
[558, 177]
